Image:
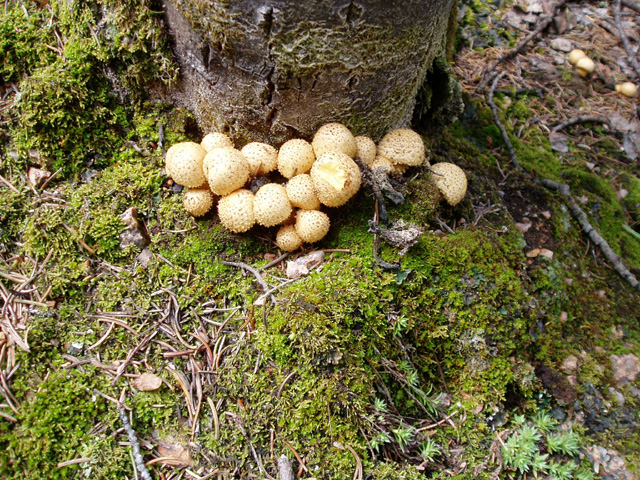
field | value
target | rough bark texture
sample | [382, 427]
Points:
[272, 69]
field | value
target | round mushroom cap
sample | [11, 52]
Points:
[215, 140]
[336, 178]
[366, 149]
[301, 192]
[381, 162]
[404, 146]
[627, 89]
[334, 137]
[312, 225]
[288, 239]
[585, 66]
[262, 158]
[236, 211]
[197, 201]
[183, 164]
[226, 170]
[576, 55]
[271, 206]
[295, 157]
[451, 181]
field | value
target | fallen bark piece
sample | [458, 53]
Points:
[303, 265]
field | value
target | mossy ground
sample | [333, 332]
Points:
[350, 357]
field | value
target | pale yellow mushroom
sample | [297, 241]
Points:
[334, 137]
[627, 89]
[576, 55]
[288, 239]
[215, 140]
[301, 192]
[336, 178]
[271, 206]
[366, 149]
[226, 170]
[295, 157]
[403, 146]
[236, 211]
[262, 158]
[197, 201]
[585, 66]
[183, 164]
[312, 225]
[451, 181]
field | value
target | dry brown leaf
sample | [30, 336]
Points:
[147, 382]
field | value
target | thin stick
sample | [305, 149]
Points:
[631, 5]
[8, 184]
[293, 450]
[276, 261]
[253, 271]
[542, 25]
[625, 41]
[133, 440]
[75, 461]
[580, 119]
[503, 131]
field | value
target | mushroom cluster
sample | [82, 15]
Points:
[584, 64]
[287, 187]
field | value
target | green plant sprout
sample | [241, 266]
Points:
[429, 450]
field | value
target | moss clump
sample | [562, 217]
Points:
[67, 111]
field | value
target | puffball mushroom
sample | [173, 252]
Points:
[288, 239]
[334, 137]
[451, 181]
[576, 55]
[312, 225]
[262, 158]
[215, 140]
[295, 157]
[301, 192]
[366, 149]
[585, 66]
[236, 211]
[271, 206]
[336, 178]
[382, 162]
[183, 164]
[627, 89]
[403, 146]
[197, 201]
[226, 170]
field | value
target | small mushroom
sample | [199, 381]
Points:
[390, 167]
[627, 89]
[403, 146]
[366, 149]
[334, 137]
[226, 170]
[197, 201]
[336, 178]
[183, 164]
[236, 211]
[451, 181]
[271, 206]
[585, 66]
[215, 140]
[262, 158]
[576, 55]
[288, 239]
[295, 157]
[301, 192]
[312, 225]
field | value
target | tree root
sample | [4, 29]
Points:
[614, 260]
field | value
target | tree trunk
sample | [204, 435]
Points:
[270, 70]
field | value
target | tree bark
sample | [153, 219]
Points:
[269, 70]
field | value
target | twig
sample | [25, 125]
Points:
[75, 461]
[285, 468]
[8, 184]
[631, 5]
[625, 41]
[438, 423]
[503, 131]
[133, 440]
[293, 450]
[253, 271]
[275, 262]
[580, 119]
[542, 25]
[614, 260]
[358, 474]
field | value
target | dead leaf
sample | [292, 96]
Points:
[147, 382]
[523, 227]
[559, 142]
[545, 252]
[37, 176]
[175, 452]
[533, 253]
